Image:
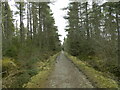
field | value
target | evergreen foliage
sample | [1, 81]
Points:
[25, 46]
[93, 34]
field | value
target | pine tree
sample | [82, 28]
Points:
[7, 27]
[20, 7]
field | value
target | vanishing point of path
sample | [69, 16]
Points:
[66, 75]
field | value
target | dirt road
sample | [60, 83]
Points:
[66, 75]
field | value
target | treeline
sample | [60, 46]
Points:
[94, 34]
[24, 45]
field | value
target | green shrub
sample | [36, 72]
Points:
[21, 79]
[32, 72]
[8, 65]
[11, 51]
[38, 80]
[94, 76]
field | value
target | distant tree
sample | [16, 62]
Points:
[21, 8]
[94, 32]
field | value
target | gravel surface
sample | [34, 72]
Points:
[66, 75]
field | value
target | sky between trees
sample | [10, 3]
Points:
[58, 14]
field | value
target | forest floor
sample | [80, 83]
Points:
[66, 75]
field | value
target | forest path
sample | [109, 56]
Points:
[66, 75]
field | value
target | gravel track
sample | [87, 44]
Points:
[66, 75]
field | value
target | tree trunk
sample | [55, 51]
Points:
[87, 28]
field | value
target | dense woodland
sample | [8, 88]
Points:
[93, 37]
[94, 34]
[24, 46]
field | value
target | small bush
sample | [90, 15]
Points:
[38, 80]
[94, 76]
[11, 51]
[8, 65]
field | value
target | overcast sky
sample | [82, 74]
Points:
[58, 14]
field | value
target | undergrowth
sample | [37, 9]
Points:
[18, 72]
[38, 81]
[96, 77]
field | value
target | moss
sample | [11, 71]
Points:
[8, 62]
[38, 81]
[8, 66]
[94, 76]
[17, 76]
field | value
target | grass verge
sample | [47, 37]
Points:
[39, 79]
[94, 76]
